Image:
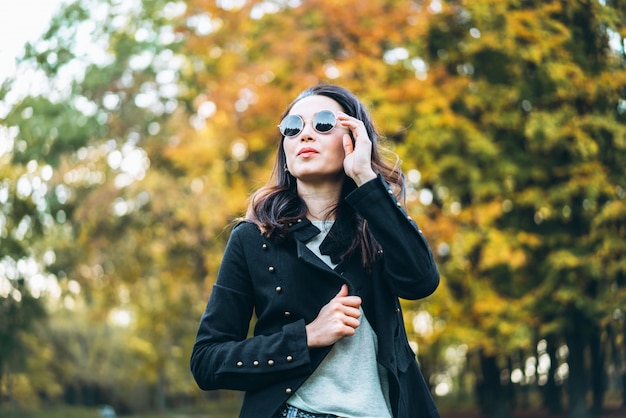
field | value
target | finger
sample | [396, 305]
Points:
[352, 126]
[349, 122]
[352, 312]
[346, 331]
[342, 292]
[351, 301]
[352, 322]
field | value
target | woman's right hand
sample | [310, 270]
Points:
[337, 319]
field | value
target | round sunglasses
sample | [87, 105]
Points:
[323, 122]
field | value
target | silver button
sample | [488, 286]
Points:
[287, 313]
[255, 363]
[271, 269]
[240, 364]
[264, 246]
[270, 362]
[279, 289]
[288, 391]
[289, 359]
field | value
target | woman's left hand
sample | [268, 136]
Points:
[358, 154]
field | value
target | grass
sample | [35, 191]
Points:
[50, 412]
[211, 410]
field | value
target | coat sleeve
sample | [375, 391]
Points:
[222, 356]
[408, 261]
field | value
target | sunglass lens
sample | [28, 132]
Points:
[324, 121]
[291, 125]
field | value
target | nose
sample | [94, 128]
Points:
[306, 134]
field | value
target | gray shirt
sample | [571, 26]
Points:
[349, 382]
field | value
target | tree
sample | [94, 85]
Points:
[94, 135]
[520, 136]
[22, 221]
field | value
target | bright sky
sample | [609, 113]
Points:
[21, 21]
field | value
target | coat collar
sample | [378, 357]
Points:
[336, 242]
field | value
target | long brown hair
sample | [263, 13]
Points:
[277, 204]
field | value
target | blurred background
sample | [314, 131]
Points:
[133, 131]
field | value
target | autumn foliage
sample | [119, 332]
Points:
[119, 183]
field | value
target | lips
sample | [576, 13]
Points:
[307, 151]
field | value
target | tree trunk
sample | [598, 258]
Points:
[510, 389]
[623, 368]
[597, 371]
[491, 396]
[551, 392]
[161, 392]
[522, 399]
[624, 390]
[577, 386]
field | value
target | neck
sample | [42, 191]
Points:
[319, 199]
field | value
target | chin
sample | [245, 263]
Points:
[317, 177]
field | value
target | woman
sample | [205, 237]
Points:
[321, 258]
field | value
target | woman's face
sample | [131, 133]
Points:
[315, 157]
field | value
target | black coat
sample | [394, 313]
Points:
[286, 285]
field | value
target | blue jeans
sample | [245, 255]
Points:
[288, 411]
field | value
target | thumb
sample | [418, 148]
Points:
[343, 291]
[348, 146]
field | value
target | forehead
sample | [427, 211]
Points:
[312, 104]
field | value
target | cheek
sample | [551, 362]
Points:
[288, 147]
[339, 150]
[288, 150]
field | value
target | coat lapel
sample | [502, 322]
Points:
[302, 231]
[334, 245]
[338, 240]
